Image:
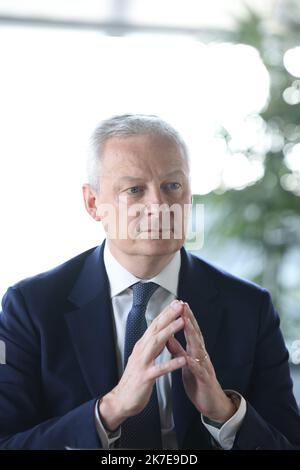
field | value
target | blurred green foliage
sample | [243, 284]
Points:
[264, 218]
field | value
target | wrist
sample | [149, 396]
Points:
[230, 405]
[110, 413]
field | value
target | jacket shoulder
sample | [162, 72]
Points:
[223, 280]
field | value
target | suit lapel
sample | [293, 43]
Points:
[91, 326]
[196, 288]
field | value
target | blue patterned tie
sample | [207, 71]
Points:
[142, 431]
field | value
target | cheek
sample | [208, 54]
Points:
[121, 198]
[127, 223]
[181, 197]
[187, 194]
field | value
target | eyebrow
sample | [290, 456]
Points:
[134, 178]
[174, 172]
[129, 178]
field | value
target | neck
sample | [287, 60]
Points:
[141, 266]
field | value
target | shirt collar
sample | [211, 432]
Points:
[120, 279]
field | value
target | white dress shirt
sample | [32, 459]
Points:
[120, 281]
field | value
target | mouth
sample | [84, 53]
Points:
[156, 234]
[161, 230]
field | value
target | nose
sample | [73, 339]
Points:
[155, 198]
[156, 213]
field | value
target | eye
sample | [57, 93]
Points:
[172, 186]
[134, 190]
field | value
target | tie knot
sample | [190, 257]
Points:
[142, 291]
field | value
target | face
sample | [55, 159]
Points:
[145, 191]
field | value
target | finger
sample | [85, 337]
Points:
[164, 368]
[188, 312]
[197, 368]
[169, 314]
[153, 345]
[193, 339]
[175, 347]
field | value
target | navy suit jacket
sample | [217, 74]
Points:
[60, 353]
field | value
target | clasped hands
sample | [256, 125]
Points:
[132, 393]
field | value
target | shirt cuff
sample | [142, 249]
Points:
[106, 437]
[225, 435]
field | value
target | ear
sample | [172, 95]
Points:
[90, 201]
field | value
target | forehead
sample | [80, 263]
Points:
[141, 150]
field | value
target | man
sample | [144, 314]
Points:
[99, 353]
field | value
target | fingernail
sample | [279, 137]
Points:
[176, 305]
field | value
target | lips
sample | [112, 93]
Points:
[157, 231]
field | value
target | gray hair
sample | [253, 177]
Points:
[126, 125]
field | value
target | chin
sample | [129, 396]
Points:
[157, 247]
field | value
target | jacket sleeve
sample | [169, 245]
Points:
[272, 419]
[23, 420]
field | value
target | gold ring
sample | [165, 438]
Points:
[201, 360]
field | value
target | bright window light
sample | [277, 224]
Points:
[291, 60]
[292, 157]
